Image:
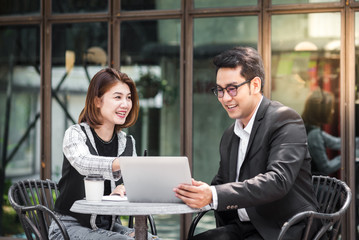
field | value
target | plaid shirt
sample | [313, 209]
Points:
[79, 156]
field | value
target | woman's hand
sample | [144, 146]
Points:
[119, 190]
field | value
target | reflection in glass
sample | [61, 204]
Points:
[277, 2]
[20, 100]
[79, 51]
[19, 7]
[150, 56]
[130, 5]
[306, 69]
[209, 118]
[223, 3]
[79, 6]
[318, 111]
[211, 38]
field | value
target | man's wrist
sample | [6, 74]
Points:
[214, 203]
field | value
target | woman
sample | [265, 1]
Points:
[318, 110]
[93, 146]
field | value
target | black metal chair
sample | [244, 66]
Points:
[333, 196]
[34, 201]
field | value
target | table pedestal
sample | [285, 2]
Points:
[141, 227]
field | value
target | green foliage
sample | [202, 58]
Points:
[6, 190]
[124, 220]
[10, 221]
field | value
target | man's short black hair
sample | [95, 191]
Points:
[245, 57]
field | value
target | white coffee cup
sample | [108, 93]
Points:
[94, 187]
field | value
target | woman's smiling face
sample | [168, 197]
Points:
[115, 105]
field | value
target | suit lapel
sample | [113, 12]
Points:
[257, 122]
[233, 155]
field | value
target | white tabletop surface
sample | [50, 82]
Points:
[138, 210]
[130, 208]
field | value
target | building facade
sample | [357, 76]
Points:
[50, 49]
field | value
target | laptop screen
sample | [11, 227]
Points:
[152, 179]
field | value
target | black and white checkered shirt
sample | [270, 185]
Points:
[79, 156]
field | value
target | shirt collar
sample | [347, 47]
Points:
[238, 127]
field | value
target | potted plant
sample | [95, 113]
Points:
[149, 85]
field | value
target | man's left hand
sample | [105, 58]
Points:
[197, 195]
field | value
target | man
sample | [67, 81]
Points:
[264, 175]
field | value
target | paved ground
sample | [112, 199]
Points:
[168, 226]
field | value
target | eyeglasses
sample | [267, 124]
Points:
[231, 89]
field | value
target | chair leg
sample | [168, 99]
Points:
[194, 223]
[130, 221]
[151, 220]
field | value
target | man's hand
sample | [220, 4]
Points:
[119, 190]
[197, 195]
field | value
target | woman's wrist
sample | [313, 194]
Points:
[116, 165]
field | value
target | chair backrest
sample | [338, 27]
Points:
[34, 201]
[333, 197]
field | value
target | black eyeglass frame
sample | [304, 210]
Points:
[215, 89]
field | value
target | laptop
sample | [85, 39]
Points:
[152, 179]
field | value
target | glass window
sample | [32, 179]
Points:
[79, 50]
[306, 76]
[150, 56]
[130, 5]
[20, 100]
[211, 38]
[19, 7]
[277, 2]
[357, 120]
[224, 3]
[209, 118]
[79, 6]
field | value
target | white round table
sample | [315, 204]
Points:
[139, 210]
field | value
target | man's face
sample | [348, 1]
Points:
[241, 106]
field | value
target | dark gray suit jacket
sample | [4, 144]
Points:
[275, 178]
